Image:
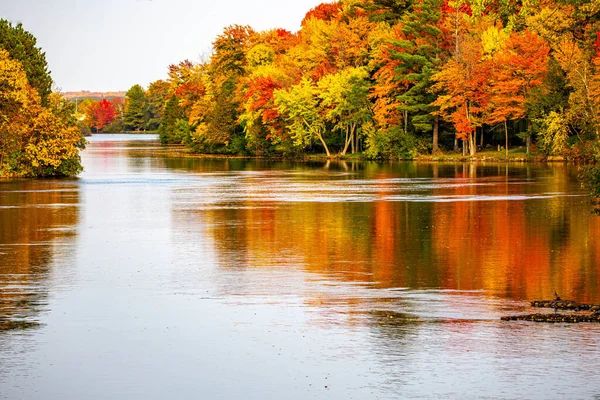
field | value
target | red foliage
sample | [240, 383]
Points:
[259, 95]
[324, 11]
[260, 92]
[282, 32]
[101, 113]
[464, 8]
[597, 44]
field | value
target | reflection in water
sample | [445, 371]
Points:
[37, 222]
[155, 276]
[519, 232]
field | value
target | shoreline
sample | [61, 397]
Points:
[180, 151]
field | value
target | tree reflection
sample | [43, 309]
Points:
[508, 230]
[37, 220]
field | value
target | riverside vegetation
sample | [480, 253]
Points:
[38, 132]
[385, 80]
[394, 80]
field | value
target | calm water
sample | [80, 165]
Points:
[157, 277]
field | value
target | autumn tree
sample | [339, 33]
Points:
[34, 141]
[101, 113]
[300, 106]
[22, 46]
[345, 103]
[463, 88]
[518, 68]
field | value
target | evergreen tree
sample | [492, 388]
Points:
[135, 106]
[390, 11]
[21, 46]
[168, 130]
[419, 56]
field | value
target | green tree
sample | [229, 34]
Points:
[156, 96]
[169, 129]
[344, 98]
[419, 55]
[300, 105]
[21, 46]
[135, 107]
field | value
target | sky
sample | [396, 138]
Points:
[110, 45]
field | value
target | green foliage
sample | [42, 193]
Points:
[389, 11]
[134, 118]
[21, 46]
[168, 130]
[300, 105]
[394, 144]
[156, 100]
[419, 61]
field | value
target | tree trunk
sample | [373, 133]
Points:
[324, 144]
[346, 143]
[405, 121]
[482, 138]
[506, 137]
[436, 127]
[528, 136]
[455, 143]
[472, 146]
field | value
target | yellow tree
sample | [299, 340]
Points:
[33, 140]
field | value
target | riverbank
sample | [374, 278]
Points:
[514, 156]
[124, 133]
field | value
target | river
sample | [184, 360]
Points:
[153, 276]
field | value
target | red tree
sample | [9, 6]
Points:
[324, 11]
[101, 113]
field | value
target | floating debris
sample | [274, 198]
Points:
[555, 318]
[592, 312]
[572, 305]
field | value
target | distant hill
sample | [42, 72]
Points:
[85, 94]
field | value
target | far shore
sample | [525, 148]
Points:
[515, 156]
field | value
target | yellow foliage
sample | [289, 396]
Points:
[493, 40]
[35, 141]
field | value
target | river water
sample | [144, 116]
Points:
[153, 276]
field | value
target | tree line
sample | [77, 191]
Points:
[140, 110]
[393, 79]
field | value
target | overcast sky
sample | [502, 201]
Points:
[109, 45]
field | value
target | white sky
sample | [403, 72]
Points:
[109, 45]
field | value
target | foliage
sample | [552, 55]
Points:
[22, 46]
[394, 144]
[34, 140]
[385, 77]
[134, 117]
[300, 106]
[101, 113]
[168, 131]
[156, 97]
[553, 134]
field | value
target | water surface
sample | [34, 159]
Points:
[154, 276]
